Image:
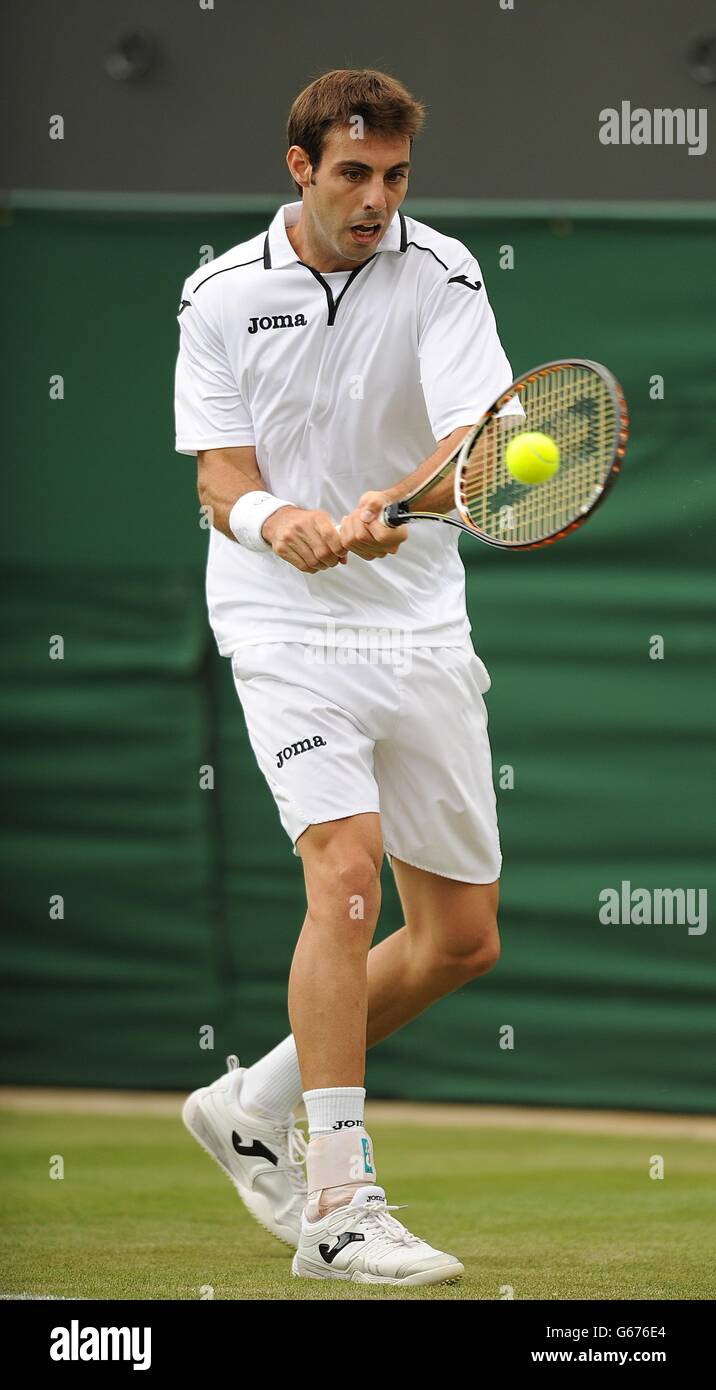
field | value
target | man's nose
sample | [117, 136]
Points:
[375, 197]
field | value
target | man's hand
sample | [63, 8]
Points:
[308, 540]
[364, 533]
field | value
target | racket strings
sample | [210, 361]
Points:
[574, 407]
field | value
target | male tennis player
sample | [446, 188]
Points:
[325, 366]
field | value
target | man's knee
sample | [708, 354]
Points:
[485, 954]
[468, 948]
[342, 862]
[357, 881]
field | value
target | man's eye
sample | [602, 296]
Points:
[354, 174]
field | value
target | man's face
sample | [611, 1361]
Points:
[358, 181]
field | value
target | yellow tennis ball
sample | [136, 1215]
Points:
[532, 457]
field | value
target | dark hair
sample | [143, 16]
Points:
[385, 105]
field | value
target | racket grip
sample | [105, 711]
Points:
[395, 513]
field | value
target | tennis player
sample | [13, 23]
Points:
[325, 366]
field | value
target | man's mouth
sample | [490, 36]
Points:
[366, 232]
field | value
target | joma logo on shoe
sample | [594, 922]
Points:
[346, 1239]
[254, 1149]
[277, 321]
[301, 747]
[346, 1124]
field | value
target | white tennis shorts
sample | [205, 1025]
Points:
[337, 733]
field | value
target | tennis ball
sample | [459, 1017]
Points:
[532, 457]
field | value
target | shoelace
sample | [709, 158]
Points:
[296, 1143]
[393, 1231]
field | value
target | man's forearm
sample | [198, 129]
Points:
[221, 485]
[440, 498]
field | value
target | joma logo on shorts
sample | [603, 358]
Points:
[295, 748]
[278, 321]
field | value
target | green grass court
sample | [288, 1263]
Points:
[142, 1213]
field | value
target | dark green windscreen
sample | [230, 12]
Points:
[182, 905]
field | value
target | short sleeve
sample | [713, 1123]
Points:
[209, 410]
[463, 365]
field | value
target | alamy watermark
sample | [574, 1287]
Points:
[662, 126]
[75, 1343]
[334, 645]
[647, 907]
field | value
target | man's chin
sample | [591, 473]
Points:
[353, 254]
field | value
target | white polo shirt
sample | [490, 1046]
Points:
[344, 383]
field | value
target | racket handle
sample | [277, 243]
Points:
[395, 513]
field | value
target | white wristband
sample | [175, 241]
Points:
[248, 515]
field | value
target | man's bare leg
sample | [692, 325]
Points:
[327, 988]
[328, 1001]
[450, 936]
[344, 996]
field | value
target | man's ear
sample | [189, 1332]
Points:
[302, 172]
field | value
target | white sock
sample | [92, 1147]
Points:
[273, 1083]
[334, 1108]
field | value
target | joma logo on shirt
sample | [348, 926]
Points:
[278, 321]
[302, 747]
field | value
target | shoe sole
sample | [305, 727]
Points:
[193, 1120]
[452, 1274]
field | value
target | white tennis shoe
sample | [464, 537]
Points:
[363, 1243]
[264, 1159]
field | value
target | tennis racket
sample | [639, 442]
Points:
[581, 407]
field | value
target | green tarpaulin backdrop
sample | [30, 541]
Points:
[182, 905]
